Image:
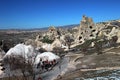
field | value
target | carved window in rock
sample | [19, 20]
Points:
[91, 27]
[80, 42]
[91, 35]
[80, 37]
[93, 30]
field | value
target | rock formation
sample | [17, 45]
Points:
[87, 30]
[118, 35]
[52, 33]
[56, 43]
[38, 42]
[55, 37]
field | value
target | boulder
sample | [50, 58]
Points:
[22, 50]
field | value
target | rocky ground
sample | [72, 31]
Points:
[93, 66]
[78, 65]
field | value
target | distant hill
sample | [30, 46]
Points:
[69, 26]
[40, 29]
[113, 22]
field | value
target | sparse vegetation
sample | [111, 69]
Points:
[19, 62]
[46, 40]
[68, 40]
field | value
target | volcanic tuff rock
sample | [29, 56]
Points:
[87, 30]
[52, 33]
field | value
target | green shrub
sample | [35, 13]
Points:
[46, 40]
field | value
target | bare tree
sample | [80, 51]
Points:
[68, 40]
[20, 63]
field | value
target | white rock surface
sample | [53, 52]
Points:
[21, 50]
[46, 56]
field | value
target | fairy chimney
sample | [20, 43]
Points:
[87, 30]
